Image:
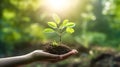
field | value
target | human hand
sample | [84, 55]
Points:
[39, 55]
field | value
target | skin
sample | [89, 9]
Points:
[37, 55]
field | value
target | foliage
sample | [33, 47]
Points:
[60, 27]
[91, 38]
[86, 38]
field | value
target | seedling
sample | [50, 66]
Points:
[60, 27]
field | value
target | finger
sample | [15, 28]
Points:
[64, 56]
[51, 56]
[72, 52]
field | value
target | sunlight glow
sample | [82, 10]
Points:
[59, 5]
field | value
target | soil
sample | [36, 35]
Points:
[59, 49]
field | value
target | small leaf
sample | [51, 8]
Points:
[56, 18]
[65, 22]
[70, 24]
[52, 24]
[69, 30]
[63, 25]
[49, 30]
[54, 43]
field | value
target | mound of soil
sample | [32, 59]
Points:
[59, 49]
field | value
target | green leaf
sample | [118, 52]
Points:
[63, 25]
[56, 18]
[70, 24]
[54, 43]
[69, 30]
[65, 22]
[49, 30]
[52, 24]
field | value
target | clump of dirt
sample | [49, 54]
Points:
[57, 49]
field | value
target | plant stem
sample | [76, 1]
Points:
[60, 38]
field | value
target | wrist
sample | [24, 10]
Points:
[34, 56]
[30, 57]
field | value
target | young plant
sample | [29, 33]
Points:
[60, 27]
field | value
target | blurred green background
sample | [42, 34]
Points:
[22, 23]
